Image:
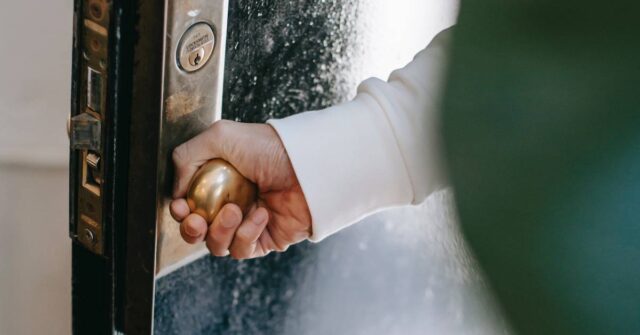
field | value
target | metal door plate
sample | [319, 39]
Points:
[191, 101]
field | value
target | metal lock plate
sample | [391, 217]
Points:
[192, 77]
[196, 47]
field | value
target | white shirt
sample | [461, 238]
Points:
[380, 150]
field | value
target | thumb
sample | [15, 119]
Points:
[189, 156]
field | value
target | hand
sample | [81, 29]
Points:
[278, 219]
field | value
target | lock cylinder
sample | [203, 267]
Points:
[196, 47]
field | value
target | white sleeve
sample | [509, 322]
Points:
[377, 151]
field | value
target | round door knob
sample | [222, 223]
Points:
[216, 184]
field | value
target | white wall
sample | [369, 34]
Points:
[35, 45]
[35, 294]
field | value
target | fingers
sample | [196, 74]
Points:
[179, 209]
[254, 149]
[189, 156]
[223, 229]
[245, 242]
[230, 234]
[193, 228]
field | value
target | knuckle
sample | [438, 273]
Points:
[183, 235]
[244, 236]
[223, 123]
[281, 247]
[180, 155]
[189, 239]
[215, 238]
[218, 252]
[218, 127]
[281, 239]
[238, 253]
[210, 247]
[215, 249]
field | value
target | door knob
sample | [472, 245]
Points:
[216, 184]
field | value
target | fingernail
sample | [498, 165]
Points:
[260, 217]
[190, 231]
[229, 218]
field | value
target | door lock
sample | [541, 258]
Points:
[196, 47]
[191, 96]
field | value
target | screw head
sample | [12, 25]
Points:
[89, 236]
[96, 9]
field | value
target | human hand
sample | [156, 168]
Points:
[278, 219]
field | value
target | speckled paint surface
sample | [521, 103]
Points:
[404, 271]
[286, 57]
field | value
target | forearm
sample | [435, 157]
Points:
[377, 151]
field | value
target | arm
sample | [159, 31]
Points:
[377, 151]
[318, 172]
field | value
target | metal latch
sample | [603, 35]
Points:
[84, 132]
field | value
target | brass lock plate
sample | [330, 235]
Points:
[86, 131]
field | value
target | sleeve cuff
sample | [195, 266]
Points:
[347, 162]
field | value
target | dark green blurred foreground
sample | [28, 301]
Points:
[542, 130]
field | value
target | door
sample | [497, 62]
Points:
[165, 71]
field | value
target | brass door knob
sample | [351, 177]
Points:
[216, 184]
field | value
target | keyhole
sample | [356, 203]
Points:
[196, 57]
